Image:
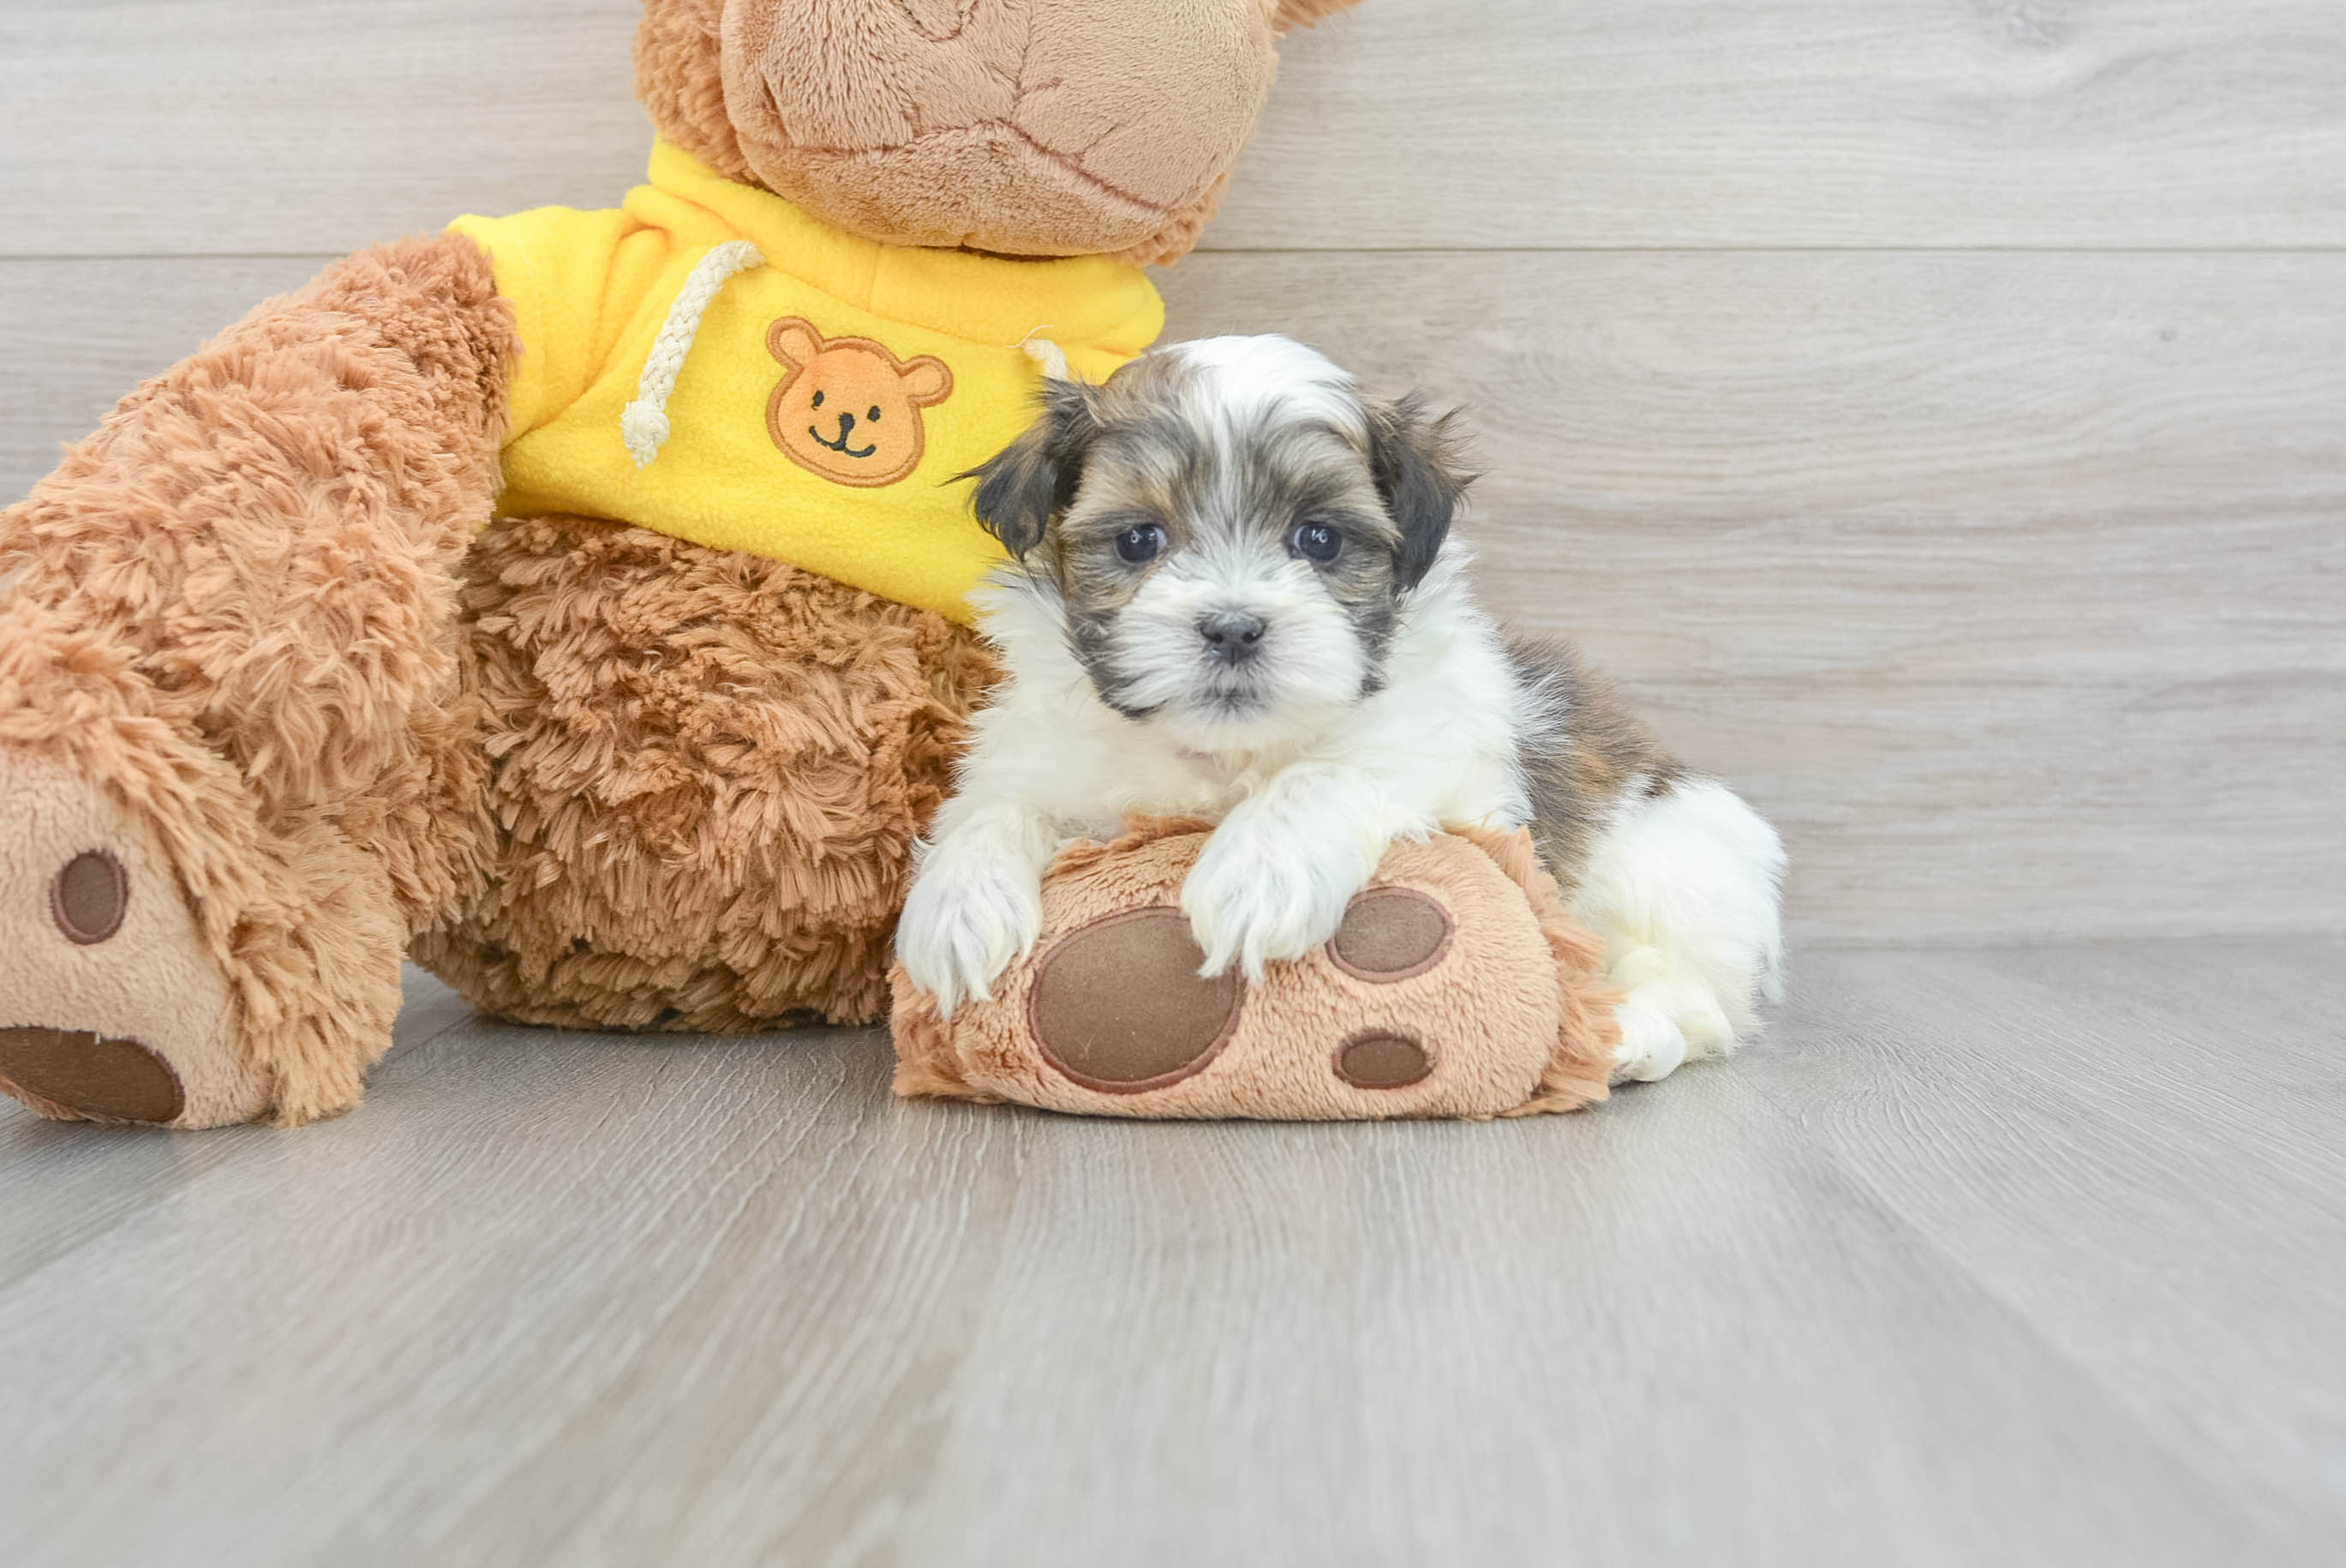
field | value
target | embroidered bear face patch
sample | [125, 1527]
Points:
[847, 409]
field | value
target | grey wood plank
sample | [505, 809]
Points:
[547, 1298]
[193, 127]
[2010, 586]
[2133, 1148]
[427, 1010]
[66, 1189]
[77, 335]
[216, 125]
[1864, 123]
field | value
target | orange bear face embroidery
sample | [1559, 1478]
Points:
[849, 410]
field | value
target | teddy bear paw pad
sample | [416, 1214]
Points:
[112, 1006]
[1118, 1006]
[93, 1075]
[1380, 1059]
[1391, 934]
[87, 1073]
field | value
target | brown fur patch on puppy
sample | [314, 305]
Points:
[1580, 768]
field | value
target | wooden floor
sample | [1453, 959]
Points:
[1987, 1257]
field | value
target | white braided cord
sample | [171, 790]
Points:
[643, 425]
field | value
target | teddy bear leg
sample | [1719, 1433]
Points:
[239, 758]
[710, 769]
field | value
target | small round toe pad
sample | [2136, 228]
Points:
[95, 1075]
[1118, 1006]
[1382, 1061]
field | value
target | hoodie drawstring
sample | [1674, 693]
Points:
[643, 425]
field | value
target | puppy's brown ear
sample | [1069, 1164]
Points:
[1034, 479]
[1420, 469]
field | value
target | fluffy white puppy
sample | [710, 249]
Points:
[1235, 597]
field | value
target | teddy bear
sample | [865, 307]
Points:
[572, 601]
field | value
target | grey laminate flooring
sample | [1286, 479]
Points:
[1982, 1258]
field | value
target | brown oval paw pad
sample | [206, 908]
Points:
[92, 1075]
[89, 897]
[1119, 1005]
[1382, 1060]
[1391, 933]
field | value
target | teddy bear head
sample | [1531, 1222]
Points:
[1022, 127]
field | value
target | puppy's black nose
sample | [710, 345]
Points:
[1231, 636]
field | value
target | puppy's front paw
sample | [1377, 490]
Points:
[1252, 898]
[968, 915]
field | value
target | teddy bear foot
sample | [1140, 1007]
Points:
[1455, 986]
[112, 1008]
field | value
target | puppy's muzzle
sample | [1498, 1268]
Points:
[1232, 638]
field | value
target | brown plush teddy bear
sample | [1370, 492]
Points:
[572, 601]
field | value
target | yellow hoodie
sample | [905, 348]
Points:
[711, 362]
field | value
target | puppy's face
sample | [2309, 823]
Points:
[1227, 531]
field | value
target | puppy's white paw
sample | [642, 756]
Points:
[1665, 1021]
[1651, 1045]
[970, 912]
[1252, 898]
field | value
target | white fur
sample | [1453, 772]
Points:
[1310, 785]
[1318, 669]
[1305, 813]
[1246, 376]
[1682, 886]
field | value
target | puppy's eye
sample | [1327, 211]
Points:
[1141, 542]
[818, 400]
[1319, 542]
[873, 416]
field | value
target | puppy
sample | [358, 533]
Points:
[1235, 597]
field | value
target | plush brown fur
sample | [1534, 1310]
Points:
[1029, 128]
[681, 80]
[709, 769]
[1515, 1014]
[232, 610]
[1293, 14]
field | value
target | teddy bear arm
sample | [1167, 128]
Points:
[298, 495]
